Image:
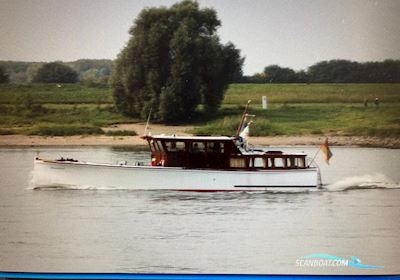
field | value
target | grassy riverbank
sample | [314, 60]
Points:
[294, 109]
[312, 119]
[47, 109]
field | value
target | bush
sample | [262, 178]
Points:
[55, 72]
[38, 109]
[6, 131]
[121, 133]
[5, 109]
[4, 79]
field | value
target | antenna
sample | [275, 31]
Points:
[147, 124]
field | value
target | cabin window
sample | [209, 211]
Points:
[279, 162]
[237, 163]
[155, 146]
[180, 146]
[302, 162]
[215, 147]
[175, 146]
[197, 147]
[158, 146]
[258, 162]
[151, 144]
[296, 162]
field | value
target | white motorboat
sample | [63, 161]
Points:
[188, 163]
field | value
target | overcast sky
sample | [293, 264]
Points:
[290, 33]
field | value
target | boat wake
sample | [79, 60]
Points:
[77, 188]
[374, 181]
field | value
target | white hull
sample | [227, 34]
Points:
[105, 176]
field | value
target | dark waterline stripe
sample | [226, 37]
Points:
[277, 186]
[211, 190]
[233, 190]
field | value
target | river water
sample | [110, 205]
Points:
[357, 214]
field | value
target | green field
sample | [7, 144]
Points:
[312, 93]
[294, 109]
[47, 109]
[301, 109]
[52, 94]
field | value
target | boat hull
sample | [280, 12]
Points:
[105, 176]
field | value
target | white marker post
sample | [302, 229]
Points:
[264, 103]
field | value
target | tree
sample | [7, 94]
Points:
[31, 71]
[277, 74]
[3, 76]
[93, 72]
[16, 71]
[55, 72]
[173, 62]
[302, 77]
[335, 71]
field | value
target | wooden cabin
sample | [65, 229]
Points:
[219, 152]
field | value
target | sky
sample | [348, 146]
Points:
[290, 33]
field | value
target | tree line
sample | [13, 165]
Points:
[91, 72]
[98, 71]
[332, 71]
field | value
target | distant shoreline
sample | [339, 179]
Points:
[102, 140]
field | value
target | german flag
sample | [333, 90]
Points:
[327, 152]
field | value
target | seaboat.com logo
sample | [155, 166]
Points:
[324, 260]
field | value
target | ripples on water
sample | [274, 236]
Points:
[120, 230]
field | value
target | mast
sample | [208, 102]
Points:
[146, 129]
[242, 120]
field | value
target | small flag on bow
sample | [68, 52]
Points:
[327, 152]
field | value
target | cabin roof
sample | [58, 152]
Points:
[189, 138]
